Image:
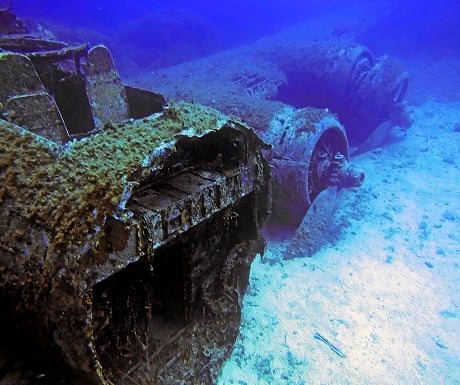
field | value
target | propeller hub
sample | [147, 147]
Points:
[343, 173]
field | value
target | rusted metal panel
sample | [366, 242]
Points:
[39, 113]
[106, 93]
[24, 100]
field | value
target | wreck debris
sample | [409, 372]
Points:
[138, 220]
[310, 153]
[346, 78]
[253, 81]
[305, 143]
[334, 348]
[273, 84]
[305, 140]
[136, 244]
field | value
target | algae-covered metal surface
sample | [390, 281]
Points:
[134, 242]
[128, 224]
[58, 186]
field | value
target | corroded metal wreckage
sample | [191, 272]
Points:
[272, 85]
[128, 226]
[133, 221]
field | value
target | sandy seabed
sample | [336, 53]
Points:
[384, 291]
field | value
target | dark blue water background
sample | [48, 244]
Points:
[204, 26]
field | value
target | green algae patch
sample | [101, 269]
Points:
[70, 191]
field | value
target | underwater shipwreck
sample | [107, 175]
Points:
[129, 222]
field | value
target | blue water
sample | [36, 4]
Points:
[406, 27]
[242, 20]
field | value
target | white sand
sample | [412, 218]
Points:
[385, 290]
